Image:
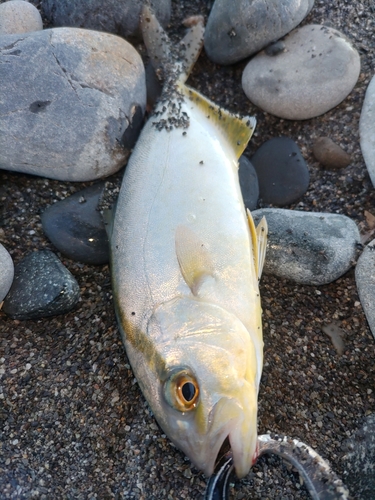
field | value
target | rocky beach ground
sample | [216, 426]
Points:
[73, 421]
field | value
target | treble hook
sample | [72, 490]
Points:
[321, 482]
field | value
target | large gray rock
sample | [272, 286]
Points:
[315, 71]
[120, 17]
[6, 272]
[79, 98]
[18, 16]
[365, 280]
[367, 129]
[308, 247]
[236, 30]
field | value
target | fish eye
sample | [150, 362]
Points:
[182, 390]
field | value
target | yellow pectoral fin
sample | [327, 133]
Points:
[259, 240]
[193, 258]
[237, 130]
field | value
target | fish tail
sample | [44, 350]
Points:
[172, 62]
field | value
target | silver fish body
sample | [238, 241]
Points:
[185, 279]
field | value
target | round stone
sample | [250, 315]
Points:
[42, 287]
[367, 129]
[120, 17]
[18, 17]
[365, 280]
[311, 248]
[236, 30]
[75, 226]
[330, 154]
[317, 70]
[79, 99]
[6, 272]
[248, 182]
[282, 172]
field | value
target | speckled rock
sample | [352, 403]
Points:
[79, 99]
[18, 16]
[365, 281]
[42, 287]
[248, 182]
[308, 247]
[120, 17]
[366, 129]
[330, 154]
[359, 460]
[317, 70]
[282, 172]
[75, 226]
[237, 30]
[6, 272]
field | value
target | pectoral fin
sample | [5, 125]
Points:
[193, 258]
[259, 239]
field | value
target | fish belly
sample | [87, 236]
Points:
[181, 178]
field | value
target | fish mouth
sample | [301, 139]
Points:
[237, 437]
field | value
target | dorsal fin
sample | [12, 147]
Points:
[238, 130]
[259, 239]
[193, 258]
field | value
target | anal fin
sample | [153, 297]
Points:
[259, 240]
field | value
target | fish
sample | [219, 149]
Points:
[186, 259]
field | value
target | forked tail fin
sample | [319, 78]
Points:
[172, 62]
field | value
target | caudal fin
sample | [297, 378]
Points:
[173, 62]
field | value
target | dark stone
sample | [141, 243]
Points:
[42, 287]
[282, 172]
[359, 474]
[75, 226]
[248, 182]
[120, 17]
[330, 154]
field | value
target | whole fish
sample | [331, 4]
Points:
[185, 263]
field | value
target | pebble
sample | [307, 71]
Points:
[248, 182]
[120, 17]
[366, 129]
[42, 287]
[69, 115]
[234, 32]
[330, 154]
[18, 16]
[365, 281]
[75, 227]
[359, 460]
[310, 248]
[282, 171]
[6, 272]
[316, 71]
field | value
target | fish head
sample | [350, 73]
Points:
[207, 383]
